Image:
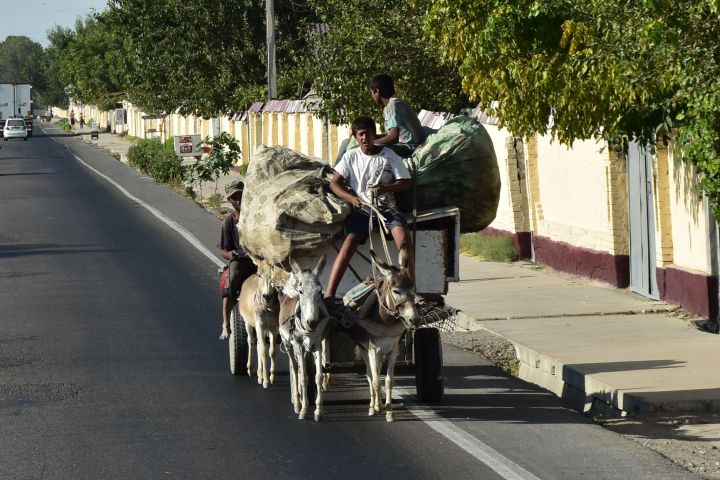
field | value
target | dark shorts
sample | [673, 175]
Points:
[358, 223]
[239, 270]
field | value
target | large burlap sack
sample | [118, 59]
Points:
[457, 166]
[285, 206]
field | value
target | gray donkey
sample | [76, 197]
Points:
[304, 328]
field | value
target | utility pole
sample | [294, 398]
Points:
[270, 32]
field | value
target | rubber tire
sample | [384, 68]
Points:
[237, 343]
[429, 380]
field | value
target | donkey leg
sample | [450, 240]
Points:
[389, 381]
[294, 394]
[272, 358]
[318, 382]
[262, 357]
[325, 361]
[250, 340]
[368, 375]
[302, 371]
[375, 365]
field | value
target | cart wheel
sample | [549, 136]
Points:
[237, 343]
[429, 381]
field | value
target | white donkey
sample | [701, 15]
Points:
[259, 307]
[304, 328]
[379, 335]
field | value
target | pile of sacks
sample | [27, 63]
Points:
[457, 167]
[287, 205]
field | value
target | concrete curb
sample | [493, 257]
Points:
[582, 391]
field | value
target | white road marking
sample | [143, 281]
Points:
[503, 466]
[164, 218]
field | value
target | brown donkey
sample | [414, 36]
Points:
[379, 336]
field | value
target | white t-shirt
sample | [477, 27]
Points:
[366, 171]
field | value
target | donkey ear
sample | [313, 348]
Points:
[404, 257]
[294, 266]
[256, 259]
[317, 271]
[382, 266]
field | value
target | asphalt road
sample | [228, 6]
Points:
[110, 367]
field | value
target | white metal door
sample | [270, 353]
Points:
[641, 221]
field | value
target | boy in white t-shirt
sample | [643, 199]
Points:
[369, 167]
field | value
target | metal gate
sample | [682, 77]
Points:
[641, 221]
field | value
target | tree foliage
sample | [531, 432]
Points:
[360, 38]
[21, 61]
[626, 69]
[202, 57]
[86, 61]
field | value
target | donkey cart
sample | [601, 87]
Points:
[436, 243]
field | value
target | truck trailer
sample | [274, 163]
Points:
[15, 102]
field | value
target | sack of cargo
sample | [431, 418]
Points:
[457, 166]
[285, 206]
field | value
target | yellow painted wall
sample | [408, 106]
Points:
[505, 218]
[689, 213]
[573, 194]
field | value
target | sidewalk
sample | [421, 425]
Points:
[600, 348]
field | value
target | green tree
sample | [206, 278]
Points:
[360, 38]
[199, 56]
[87, 61]
[21, 61]
[626, 69]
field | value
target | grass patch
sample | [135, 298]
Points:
[488, 248]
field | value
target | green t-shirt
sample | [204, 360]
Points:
[398, 115]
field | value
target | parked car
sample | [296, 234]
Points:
[15, 128]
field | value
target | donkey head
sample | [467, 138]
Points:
[305, 285]
[398, 289]
[265, 295]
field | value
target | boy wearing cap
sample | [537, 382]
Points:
[240, 266]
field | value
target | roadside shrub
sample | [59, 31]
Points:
[224, 153]
[153, 159]
[63, 125]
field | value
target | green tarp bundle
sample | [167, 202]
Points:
[457, 167]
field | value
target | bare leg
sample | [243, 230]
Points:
[225, 329]
[340, 265]
[401, 237]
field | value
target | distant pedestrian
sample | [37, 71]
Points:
[82, 120]
[72, 120]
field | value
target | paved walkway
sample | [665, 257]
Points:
[596, 346]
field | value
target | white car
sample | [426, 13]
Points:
[15, 128]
